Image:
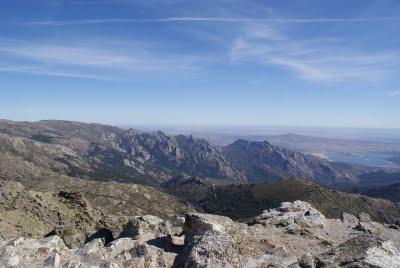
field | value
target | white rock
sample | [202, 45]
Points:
[385, 256]
[299, 213]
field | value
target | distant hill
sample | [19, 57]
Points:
[244, 201]
[390, 192]
[262, 160]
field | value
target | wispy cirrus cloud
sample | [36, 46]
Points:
[67, 55]
[252, 40]
[319, 60]
[210, 19]
[114, 62]
[51, 71]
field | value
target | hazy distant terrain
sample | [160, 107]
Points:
[330, 145]
[107, 153]
[372, 147]
[363, 152]
[227, 134]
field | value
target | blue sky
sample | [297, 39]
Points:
[210, 62]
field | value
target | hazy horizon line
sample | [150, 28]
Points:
[202, 126]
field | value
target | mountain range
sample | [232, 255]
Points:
[100, 152]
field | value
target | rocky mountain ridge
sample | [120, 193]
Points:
[261, 160]
[100, 152]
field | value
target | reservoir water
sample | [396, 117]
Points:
[368, 159]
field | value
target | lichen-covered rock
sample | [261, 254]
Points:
[198, 223]
[364, 217]
[145, 228]
[307, 261]
[25, 252]
[298, 213]
[272, 261]
[281, 237]
[52, 252]
[349, 220]
[212, 249]
[362, 251]
[212, 241]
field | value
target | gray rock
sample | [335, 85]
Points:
[294, 214]
[366, 227]
[51, 252]
[364, 217]
[349, 220]
[54, 261]
[178, 240]
[272, 261]
[198, 223]
[145, 228]
[161, 227]
[212, 249]
[307, 261]
[362, 251]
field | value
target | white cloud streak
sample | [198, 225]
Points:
[68, 55]
[210, 19]
[312, 59]
[254, 41]
[49, 71]
[124, 62]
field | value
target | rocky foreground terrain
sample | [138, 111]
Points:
[76, 209]
[81, 223]
[292, 235]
